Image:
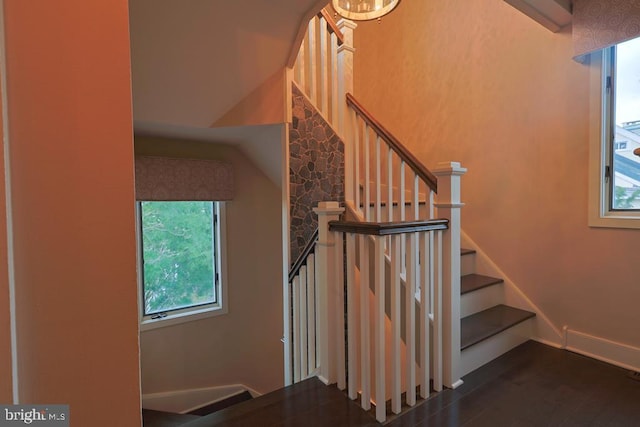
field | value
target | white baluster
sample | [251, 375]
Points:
[304, 326]
[379, 325]
[365, 322]
[335, 76]
[296, 329]
[339, 302]
[390, 184]
[395, 323]
[378, 203]
[425, 308]
[352, 168]
[367, 175]
[311, 312]
[352, 318]
[313, 63]
[410, 316]
[324, 68]
[437, 315]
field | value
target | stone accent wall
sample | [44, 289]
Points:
[316, 169]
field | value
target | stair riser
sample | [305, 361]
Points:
[484, 352]
[482, 299]
[467, 264]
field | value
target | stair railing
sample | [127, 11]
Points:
[375, 358]
[324, 66]
[301, 349]
[384, 183]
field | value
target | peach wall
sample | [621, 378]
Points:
[242, 346]
[6, 387]
[480, 83]
[69, 105]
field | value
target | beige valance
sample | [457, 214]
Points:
[598, 24]
[163, 179]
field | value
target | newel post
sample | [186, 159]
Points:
[345, 85]
[449, 176]
[325, 290]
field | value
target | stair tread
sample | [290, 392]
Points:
[153, 418]
[466, 251]
[473, 282]
[485, 324]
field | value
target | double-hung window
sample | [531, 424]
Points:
[615, 137]
[180, 248]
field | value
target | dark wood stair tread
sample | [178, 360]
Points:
[485, 324]
[465, 251]
[304, 403]
[153, 418]
[473, 282]
[222, 404]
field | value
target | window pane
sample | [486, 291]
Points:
[626, 165]
[178, 254]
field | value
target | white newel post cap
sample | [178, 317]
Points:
[328, 208]
[449, 174]
[449, 168]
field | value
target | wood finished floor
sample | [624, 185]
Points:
[535, 385]
[532, 385]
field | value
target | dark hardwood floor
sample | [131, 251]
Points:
[532, 385]
[535, 385]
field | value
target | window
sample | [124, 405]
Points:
[615, 182]
[180, 274]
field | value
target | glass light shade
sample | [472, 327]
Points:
[363, 10]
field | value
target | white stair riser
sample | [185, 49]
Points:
[467, 264]
[482, 299]
[489, 349]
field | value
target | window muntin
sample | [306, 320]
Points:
[180, 258]
[622, 120]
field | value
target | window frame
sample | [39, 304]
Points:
[601, 149]
[196, 312]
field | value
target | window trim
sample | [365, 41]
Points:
[600, 147]
[194, 313]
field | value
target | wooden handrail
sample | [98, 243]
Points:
[333, 26]
[388, 228]
[302, 258]
[415, 164]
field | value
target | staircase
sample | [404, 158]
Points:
[488, 327]
[386, 304]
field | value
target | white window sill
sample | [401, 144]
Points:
[184, 317]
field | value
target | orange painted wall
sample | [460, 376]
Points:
[479, 82]
[5, 322]
[69, 105]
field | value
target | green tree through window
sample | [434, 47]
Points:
[178, 250]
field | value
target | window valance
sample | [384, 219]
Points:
[164, 178]
[598, 24]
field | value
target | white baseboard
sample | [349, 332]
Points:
[184, 401]
[614, 353]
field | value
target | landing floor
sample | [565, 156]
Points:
[532, 385]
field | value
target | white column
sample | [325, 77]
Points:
[326, 291]
[448, 205]
[345, 85]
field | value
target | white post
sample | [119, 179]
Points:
[448, 205]
[326, 290]
[345, 85]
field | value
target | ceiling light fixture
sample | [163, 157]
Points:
[363, 10]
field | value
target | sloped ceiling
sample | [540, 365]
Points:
[194, 60]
